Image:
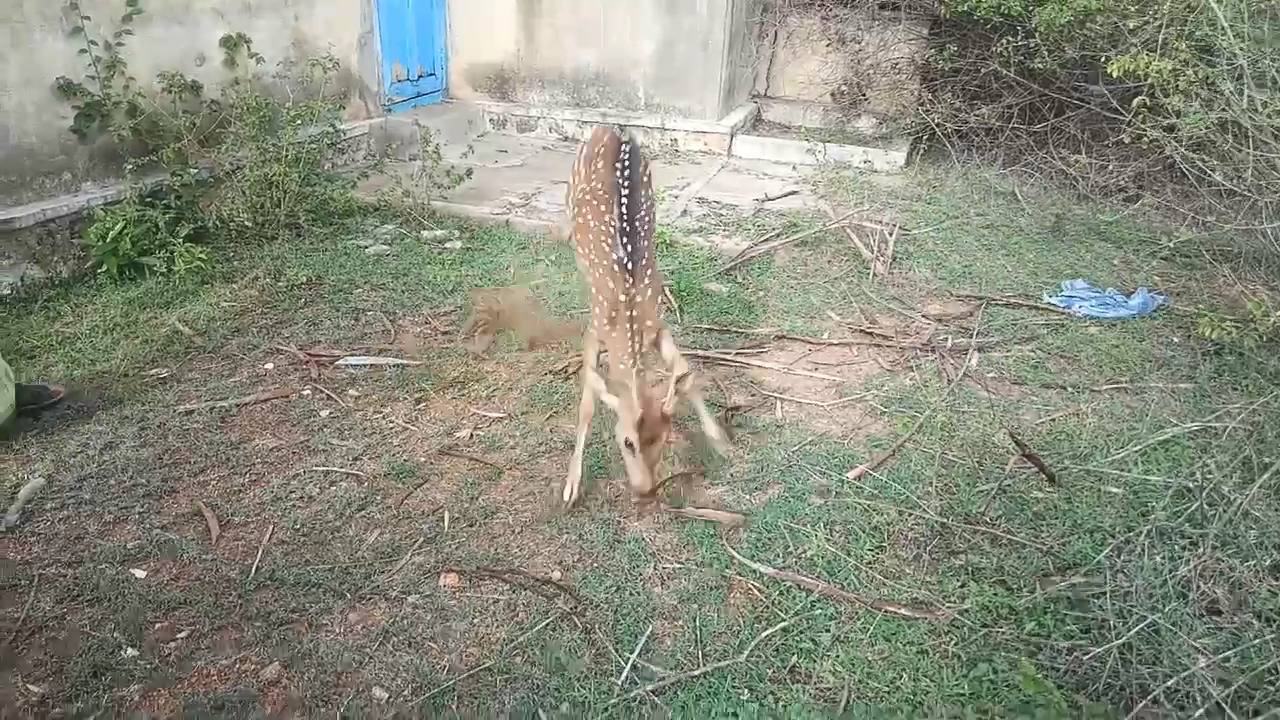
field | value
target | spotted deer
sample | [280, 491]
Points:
[611, 217]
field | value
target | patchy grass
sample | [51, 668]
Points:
[397, 578]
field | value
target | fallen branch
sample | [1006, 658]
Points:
[340, 471]
[757, 250]
[965, 526]
[463, 456]
[371, 360]
[889, 340]
[705, 669]
[261, 397]
[26, 608]
[459, 678]
[682, 203]
[849, 233]
[821, 588]
[888, 252]
[330, 393]
[1030, 456]
[626, 669]
[723, 517]
[215, 530]
[731, 360]
[1010, 301]
[807, 401]
[779, 196]
[261, 549]
[875, 462]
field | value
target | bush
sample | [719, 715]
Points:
[147, 234]
[251, 164]
[1120, 98]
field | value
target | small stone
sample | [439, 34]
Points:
[453, 245]
[449, 579]
[716, 288]
[353, 392]
[438, 235]
[387, 232]
[138, 573]
[378, 249]
[271, 673]
[326, 413]
[556, 575]
[379, 695]
[130, 652]
[269, 366]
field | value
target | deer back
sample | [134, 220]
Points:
[611, 213]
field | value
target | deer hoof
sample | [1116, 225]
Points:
[572, 489]
[719, 442]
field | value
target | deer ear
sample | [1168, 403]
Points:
[676, 386]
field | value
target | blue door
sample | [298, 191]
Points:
[412, 40]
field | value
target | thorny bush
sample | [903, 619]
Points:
[1174, 103]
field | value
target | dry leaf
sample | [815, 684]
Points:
[138, 573]
[449, 579]
[215, 530]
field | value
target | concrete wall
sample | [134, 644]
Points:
[40, 158]
[653, 56]
[854, 64]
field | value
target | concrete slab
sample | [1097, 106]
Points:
[802, 152]
[522, 180]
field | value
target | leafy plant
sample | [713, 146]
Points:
[1257, 326]
[252, 163]
[106, 100]
[147, 234]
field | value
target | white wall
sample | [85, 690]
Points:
[38, 155]
[656, 56]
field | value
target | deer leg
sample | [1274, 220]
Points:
[586, 410]
[679, 368]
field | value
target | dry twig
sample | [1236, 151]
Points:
[731, 360]
[760, 249]
[261, 397]
[266, 538]
[1010, 301]
[1025, 451]
[510, 646]
[464, 456]
[821, 588]
[723, 517]
[705, 669]
[626, 669]
[878, 460]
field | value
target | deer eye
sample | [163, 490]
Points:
[630, 446]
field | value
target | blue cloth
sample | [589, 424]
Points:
[1084, 300]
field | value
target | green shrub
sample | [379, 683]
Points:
[252, 163]
[1119, 98]
[147, 234]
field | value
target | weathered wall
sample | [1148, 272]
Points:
[40, 158]
[746, 51]
[846, 63]
[654, 56]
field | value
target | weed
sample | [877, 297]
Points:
[250, 164]
[146, 234]
[1257, 326]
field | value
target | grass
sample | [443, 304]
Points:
[1144, 580]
